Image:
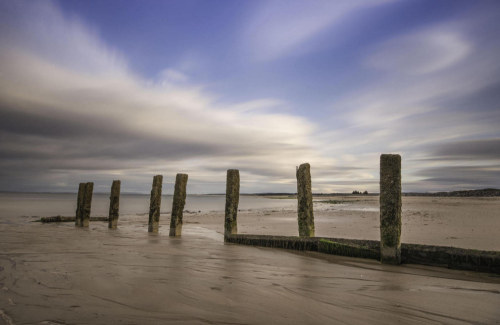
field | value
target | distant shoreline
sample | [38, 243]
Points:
[486, 192]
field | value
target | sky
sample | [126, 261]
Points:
[103, 90]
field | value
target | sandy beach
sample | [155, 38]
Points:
[460, 222]
[59, 274]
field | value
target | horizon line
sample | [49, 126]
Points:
[256, 193]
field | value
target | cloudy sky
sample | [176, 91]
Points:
[103, 90]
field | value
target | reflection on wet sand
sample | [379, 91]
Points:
[61, 274]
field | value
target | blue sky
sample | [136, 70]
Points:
[102, 90]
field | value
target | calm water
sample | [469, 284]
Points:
[41, 204]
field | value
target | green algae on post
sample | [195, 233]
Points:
[114, 205]
[154, 204]
[178, 203]
[390, 209]
[304, 201]
[232, 200]
[79, 205]
[87, 203]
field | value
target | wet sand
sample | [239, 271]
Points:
[59, 274]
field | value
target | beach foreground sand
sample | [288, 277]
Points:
[59, 274]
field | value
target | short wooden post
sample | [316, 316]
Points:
[232, 200]
[154, 204]
[390, 209]
[87, 203]
[178, 204]
[305, 204]
[114, 205]
[79, 205]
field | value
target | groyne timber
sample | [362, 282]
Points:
[388, 250]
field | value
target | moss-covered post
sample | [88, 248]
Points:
[154, 204]
[390, 209]
[178, 204]
[232, 200]
[79, 205]
[304, 201]
[114, 205]
[87, 203]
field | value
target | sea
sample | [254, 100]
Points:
[64, 204]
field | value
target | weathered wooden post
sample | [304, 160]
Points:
[87, 202]
[305, 203]
[178, 204]
[232, 200]
[114, 205]
[154, 204]
[390, 209]
[79, 205]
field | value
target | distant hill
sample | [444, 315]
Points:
[486, 192]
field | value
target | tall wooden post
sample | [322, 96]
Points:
[154, 204]
[79, 205]
[390, 209]
[114, 205]
[232, 200]
[87, 203]
[305, 204]
[178, 204]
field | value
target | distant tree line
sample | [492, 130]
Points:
[359, 192]
[485, 192]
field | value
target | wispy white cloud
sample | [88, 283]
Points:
[112, 120]
[40, 28]
[421, 52]
[412, 106]
[279, 28]
[170, 75]
[423, 70]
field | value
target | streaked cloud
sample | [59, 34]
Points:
[433, 98]
[79, 118]
[279, 28]
[72, 108]
[172, 76]
[468, 150]
[421, 52]
[460, 177]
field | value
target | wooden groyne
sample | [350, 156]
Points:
[68, 219]
[450, 257]
[388, 250]
[84, 203]
[114, 205]
[305, 214]
[178, 203]
[232, 200]
[390, 209]
[154, 204]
